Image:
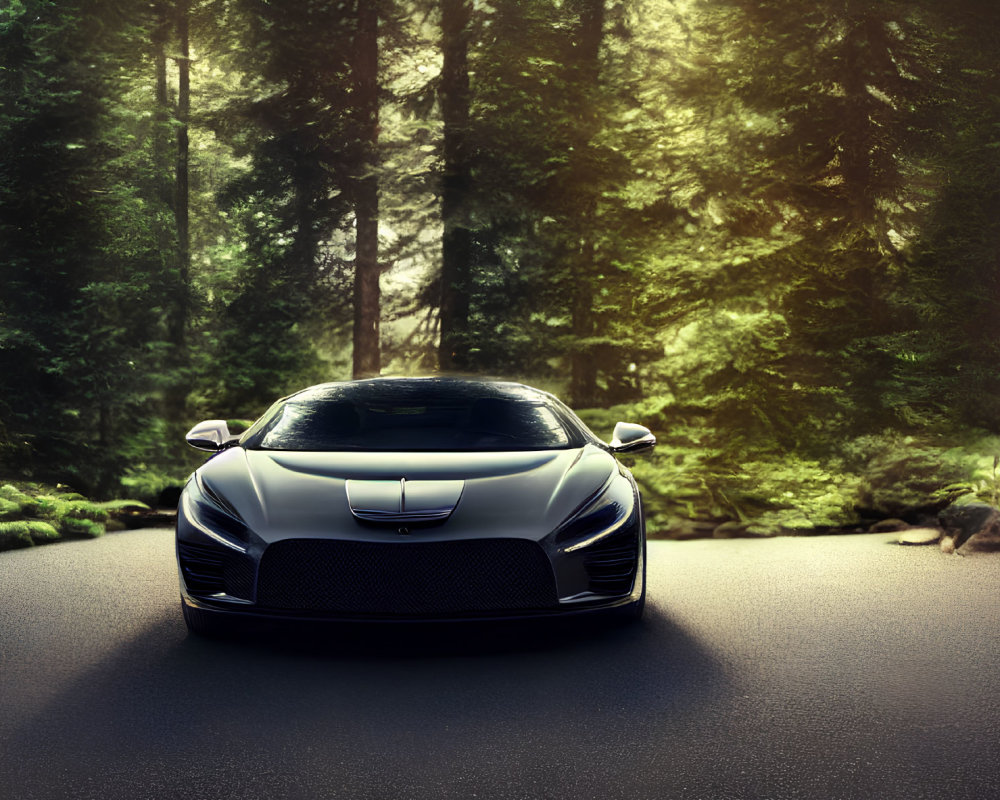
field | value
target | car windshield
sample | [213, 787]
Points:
[414, 418]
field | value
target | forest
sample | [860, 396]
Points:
[768, 230]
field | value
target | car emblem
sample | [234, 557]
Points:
[404, 531]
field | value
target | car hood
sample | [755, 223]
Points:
[283, 494]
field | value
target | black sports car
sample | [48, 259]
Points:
[411, 499]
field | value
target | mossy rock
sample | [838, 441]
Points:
[50, 505]
[29, 506]
[9, 508]
[53, 514]
[57, 507]
[26, 504]
[42, 531]
[75, 526]
[85, 509]
[14, 535]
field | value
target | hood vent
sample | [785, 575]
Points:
[403, 501]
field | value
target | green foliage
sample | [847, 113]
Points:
[776, 493]
[78, 526]
[700, 481]
[575, 243]
[284, 281]
[908, 473]
[23, 502]
[41, 531]
[985, 478]
[63, 507]
[120, 505]
[82, 272]
[24, 532]
[147, 483]
[770, 230]
[14, 535]
[785, 493]
[158, 459]
[35, 514]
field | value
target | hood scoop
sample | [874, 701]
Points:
[394, 502]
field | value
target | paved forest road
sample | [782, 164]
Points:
[831, 667]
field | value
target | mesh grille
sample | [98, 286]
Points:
[239, 576]
[403, 578]
[611, 563]
[211, 570]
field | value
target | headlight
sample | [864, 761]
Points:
[604, 514]
[212, 515]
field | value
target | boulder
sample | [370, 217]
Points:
[962, 521]
[916, 536]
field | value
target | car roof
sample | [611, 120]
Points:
[389, 388]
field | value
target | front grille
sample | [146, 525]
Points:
[211, 570]
[612, 562]
[406, 578]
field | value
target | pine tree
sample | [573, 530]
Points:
[81, 272]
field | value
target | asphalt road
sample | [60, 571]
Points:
[830, 667]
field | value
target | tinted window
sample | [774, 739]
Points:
[412, 421]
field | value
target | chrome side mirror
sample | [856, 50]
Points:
[629, 438]
[211, 435]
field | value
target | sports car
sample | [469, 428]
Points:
[411, 499]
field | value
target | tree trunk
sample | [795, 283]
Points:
[367, 354]
[183, 148]
[583, 379]
[583, 374]
[161, 119]
[177, 322]
[456, 245]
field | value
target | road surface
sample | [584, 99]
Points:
[827, 667]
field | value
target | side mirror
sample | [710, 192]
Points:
[629, 438]
[211, 435]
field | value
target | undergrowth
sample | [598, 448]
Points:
[696, 482]
[32, 513]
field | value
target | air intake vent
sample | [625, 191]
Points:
[611, 563]
[211, 570]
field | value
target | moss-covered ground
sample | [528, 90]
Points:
[34, 513]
